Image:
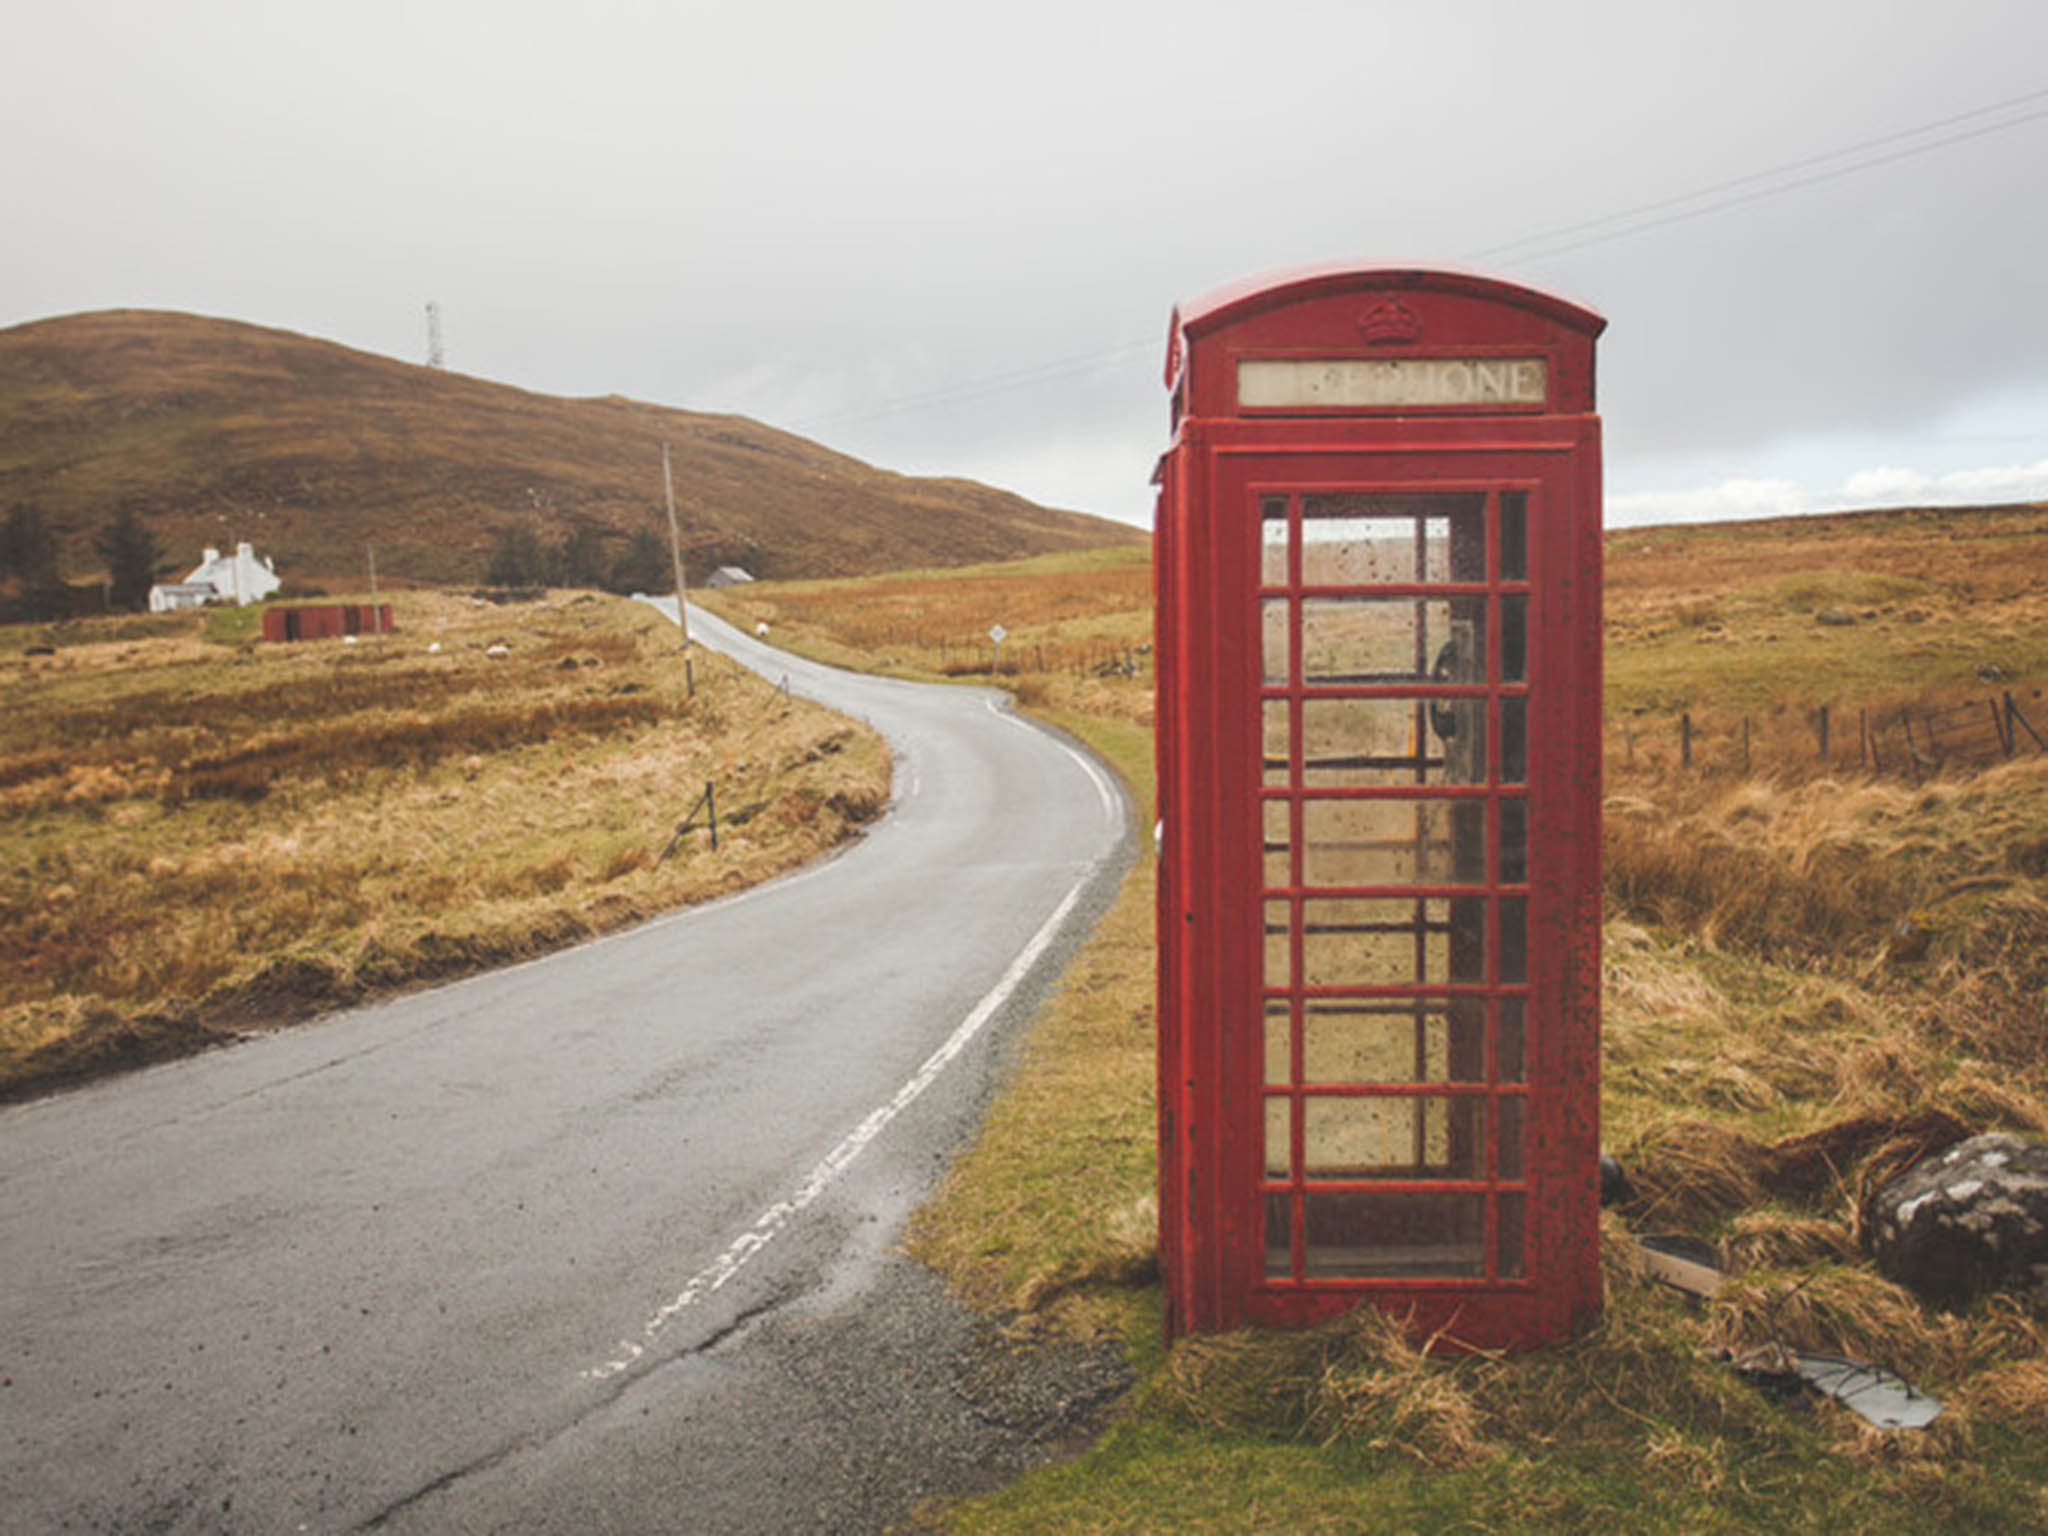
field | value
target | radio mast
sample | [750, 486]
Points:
[435, 357]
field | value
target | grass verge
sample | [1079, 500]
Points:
[200, 834]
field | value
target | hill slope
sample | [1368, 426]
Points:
[215, 430]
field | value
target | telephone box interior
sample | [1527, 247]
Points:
[1378, 578]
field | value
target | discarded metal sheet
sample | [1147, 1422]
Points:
[1878, 1395]
[1887, 1400]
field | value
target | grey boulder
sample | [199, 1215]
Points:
[1973, 1219]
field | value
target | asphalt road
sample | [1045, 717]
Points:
[598, 1243]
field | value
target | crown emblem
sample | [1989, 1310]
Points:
[1389, 321]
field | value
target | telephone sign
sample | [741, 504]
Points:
[1377, 562]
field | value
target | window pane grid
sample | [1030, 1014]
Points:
[1411, 608]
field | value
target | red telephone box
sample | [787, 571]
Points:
[1378, 591]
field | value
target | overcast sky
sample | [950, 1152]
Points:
[946, 237]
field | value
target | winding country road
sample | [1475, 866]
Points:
[598, 1243]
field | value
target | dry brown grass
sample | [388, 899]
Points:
[196, 839]
[1361, 1378]
[1079, 626]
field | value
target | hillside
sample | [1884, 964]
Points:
[215, 431]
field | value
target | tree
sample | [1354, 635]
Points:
[644, 566]
[28, 550]
[518, 561]
[583, 558]
[134, 558]
[28, 566]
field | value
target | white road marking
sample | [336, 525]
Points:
[1102, 790]
[836, 1162]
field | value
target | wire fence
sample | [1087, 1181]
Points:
[1912, 741]
[1102, 658]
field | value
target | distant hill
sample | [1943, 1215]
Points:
[216, 431]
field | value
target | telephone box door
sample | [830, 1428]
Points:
[1408, 720]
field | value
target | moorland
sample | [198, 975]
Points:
[1816, 969]
[203, 834]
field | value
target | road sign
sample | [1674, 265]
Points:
[997, 633]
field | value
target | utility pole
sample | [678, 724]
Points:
[675, 545]
[376, 613]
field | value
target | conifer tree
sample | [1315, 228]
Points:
[134, 557]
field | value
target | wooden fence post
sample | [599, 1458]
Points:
[1745, 746]
[1823, 733]
[1685, 740]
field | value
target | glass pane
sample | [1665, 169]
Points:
[1273, 641]
[1349, 743]
[1514, 841]
[1376, 842]
[1429, 1041]
[1390, 1234]
[1509, 1049]
[1369, 540]
[1273, 541]
[1514, 938]
[1514, 740]
[1511, 1110]
[1514, 639]
[1468, 939]
[1465, 1041]
[1468, 841]
[1279, 949]
[1406, 1138]
[1278, 1122]
[1374, 941]
[1278, 1062]
[1510, 1233]
[1278, 865]
[1275, 749]
[1279, 1242]
[1514, 535]
[1382, 640]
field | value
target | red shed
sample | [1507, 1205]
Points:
[1378, 592]
[326, 621]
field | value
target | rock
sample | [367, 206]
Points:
[1835, 616]
[1908, 941]
[1615, 1188]
[1974, 1219]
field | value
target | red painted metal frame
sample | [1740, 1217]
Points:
[1211, 914]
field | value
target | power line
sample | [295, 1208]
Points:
[1769, 175]
[1538, 247]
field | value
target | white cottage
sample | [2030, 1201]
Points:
[236, 578]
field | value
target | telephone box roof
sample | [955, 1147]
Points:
[1292, 285]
